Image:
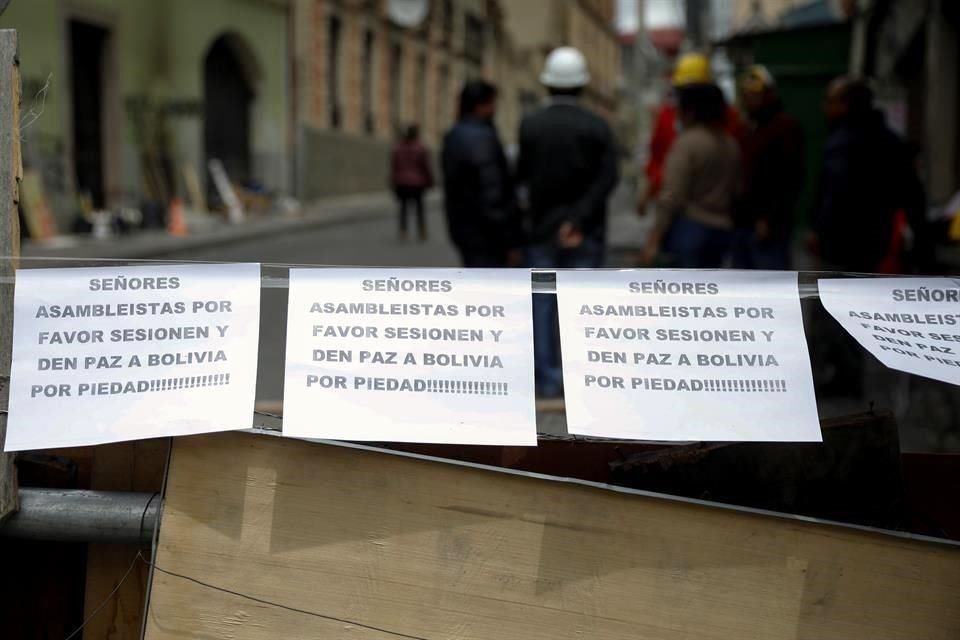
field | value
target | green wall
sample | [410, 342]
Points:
[159, 49]
[261, 26]
[804, 61]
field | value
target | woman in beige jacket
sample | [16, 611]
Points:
[700, 183]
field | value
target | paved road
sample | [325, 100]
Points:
[368, 242]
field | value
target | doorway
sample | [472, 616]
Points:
[228, 97]
[88, 44]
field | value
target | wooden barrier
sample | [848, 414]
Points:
[11, 169]
[365, 544]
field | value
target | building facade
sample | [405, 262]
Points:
[361, 78]
[912, 51]
[126, 100]
[726, 18]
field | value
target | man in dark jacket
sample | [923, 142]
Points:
[480, 201]
[866, 178]
[773, 172]
[568, 164]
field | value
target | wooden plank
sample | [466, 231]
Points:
[10, 174]
[362, 539]
[126, 466]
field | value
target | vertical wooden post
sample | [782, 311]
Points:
[10, 174]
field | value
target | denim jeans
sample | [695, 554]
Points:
[546, 339]
[410, 198]
[749, 253]
[693, 245]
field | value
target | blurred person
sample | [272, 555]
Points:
[920, 255]
[482, 217]
[773, 174]
[867, 181]
[690, 69]
[567, 163]
[410, 176]
[867, 176]
[912, 247]
[701, 179]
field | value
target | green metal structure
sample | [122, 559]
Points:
[803, 60]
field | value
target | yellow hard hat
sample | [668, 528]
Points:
[756, 79]
[692, 68]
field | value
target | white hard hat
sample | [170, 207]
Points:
[565, 68]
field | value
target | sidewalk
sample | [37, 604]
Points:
[213, 231]
[626, 232]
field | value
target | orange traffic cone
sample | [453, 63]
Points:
[176, 218]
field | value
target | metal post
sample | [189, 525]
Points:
[71, 515]
[693, 19]
[10, 174]
[639, 59]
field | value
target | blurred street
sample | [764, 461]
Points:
[366, 242]
[370, 241]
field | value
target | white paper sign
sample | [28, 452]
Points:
[909, 324]
[110, 354]
[671, 355]
[414, 355]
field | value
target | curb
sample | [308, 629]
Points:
[162, 244]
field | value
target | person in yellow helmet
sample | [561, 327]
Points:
[691, 69]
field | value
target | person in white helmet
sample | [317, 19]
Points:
[568, 163]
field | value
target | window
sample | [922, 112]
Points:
[396, 85]
[473, 39]
[333, 71]
[447, 22]
[367, 97]
[422, 90]
[423, 29]
[443, 94]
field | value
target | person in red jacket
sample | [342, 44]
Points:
[691, 69]
[410, 176]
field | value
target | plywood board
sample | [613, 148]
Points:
[125, 466]
[362, 544]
